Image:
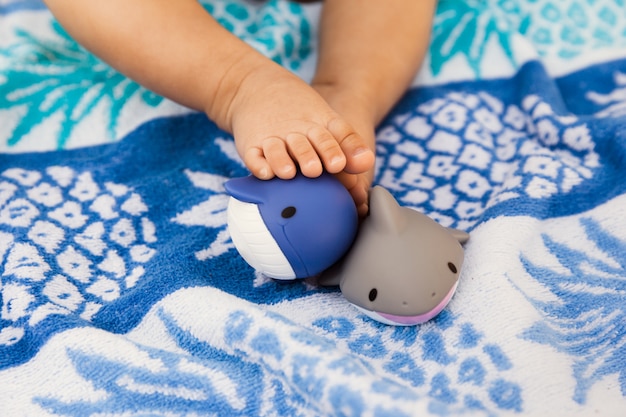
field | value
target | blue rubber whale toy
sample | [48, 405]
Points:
[291, 229]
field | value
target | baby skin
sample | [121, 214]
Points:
[369, 52]
[282, 124]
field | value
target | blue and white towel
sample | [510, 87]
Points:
[121, 293]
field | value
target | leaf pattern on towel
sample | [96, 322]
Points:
[210, 382]
[198, 377]
[447, 359]
[67, 83]
[464, 29]
[340, 365]
[51, 82]
[209, 213]
[278, 29]
[586, 321]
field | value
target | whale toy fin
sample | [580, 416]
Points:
[246, 189]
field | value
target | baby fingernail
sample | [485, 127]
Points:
[336, 160]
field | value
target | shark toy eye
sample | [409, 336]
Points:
[288, 212]
[373, 294]
[452, 267]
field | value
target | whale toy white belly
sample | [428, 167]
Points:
[255, 242]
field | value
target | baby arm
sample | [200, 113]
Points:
[373, 48]
[171, 47]
[178, 50]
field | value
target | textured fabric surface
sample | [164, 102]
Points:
[121, 292]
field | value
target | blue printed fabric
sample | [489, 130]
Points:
[121, 292]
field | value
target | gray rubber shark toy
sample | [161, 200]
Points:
[403, 267]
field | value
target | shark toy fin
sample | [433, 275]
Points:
[385, 211]
[461, 236]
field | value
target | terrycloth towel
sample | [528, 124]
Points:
[122, 293]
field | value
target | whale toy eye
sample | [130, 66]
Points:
[288, 212]
[452, 267]
[373, 294]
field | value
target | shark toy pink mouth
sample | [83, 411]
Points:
[411, 320]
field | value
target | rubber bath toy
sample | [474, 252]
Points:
[290, 229]
[403, 267]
